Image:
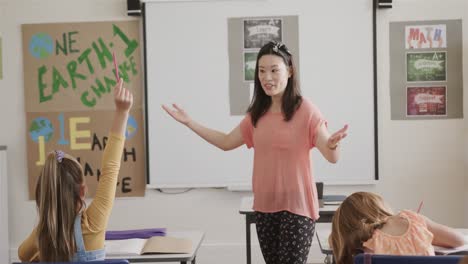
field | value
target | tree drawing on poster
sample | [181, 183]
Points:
[68, 81]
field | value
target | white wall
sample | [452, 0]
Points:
[4, 240]
[418, 159]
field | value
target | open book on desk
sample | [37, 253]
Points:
[153, 245]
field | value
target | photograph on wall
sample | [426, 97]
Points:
[250, 60]
[426, 36]
[426, 101]
[69, 76]
[426, 66]
[258, 32]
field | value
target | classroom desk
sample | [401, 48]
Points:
[195, 236]
[326, 215]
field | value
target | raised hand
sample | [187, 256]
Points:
[335, 139]
[123, 98]
[178, 114]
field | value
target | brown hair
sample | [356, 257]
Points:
[291, 99]
[354, 223]
[58, 202]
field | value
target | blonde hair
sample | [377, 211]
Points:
[354, 223]
[58, 202]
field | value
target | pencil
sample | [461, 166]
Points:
[116, 68]
[420, 206]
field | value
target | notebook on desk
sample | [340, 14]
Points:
[153, 245]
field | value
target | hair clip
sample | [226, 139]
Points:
[277, 46]
[59, 155]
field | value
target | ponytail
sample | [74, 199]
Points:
[354, 222]
[58, 203]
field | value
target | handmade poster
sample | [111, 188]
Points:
[426, 36]
[426, 66]
[258, 32]
[250, 60]
[69, 78]
[428, 101]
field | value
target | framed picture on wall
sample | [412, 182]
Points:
[250, 60]
[426, 101]
[426, 66]
[258, 32]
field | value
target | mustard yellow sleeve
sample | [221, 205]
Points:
[99, 210]
[28, 251]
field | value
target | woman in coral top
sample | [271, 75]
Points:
[363, 223]
[282, 127]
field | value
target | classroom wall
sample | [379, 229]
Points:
[419, 160]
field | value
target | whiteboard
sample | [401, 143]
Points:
[187, 63]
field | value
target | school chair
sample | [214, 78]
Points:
[106, 261]
[393, 259]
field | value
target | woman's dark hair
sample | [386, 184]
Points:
[292, 98]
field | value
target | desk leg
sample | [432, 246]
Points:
[194, 261]
[247, 237]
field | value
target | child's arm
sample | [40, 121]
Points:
[100, 209]
[219, 139]
[329, 145]
[444, 236]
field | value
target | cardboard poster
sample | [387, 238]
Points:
[69, 78]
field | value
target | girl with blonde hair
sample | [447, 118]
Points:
[67, 230]
[364, 223]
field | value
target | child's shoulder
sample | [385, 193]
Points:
[413, 217]
[408, 213]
